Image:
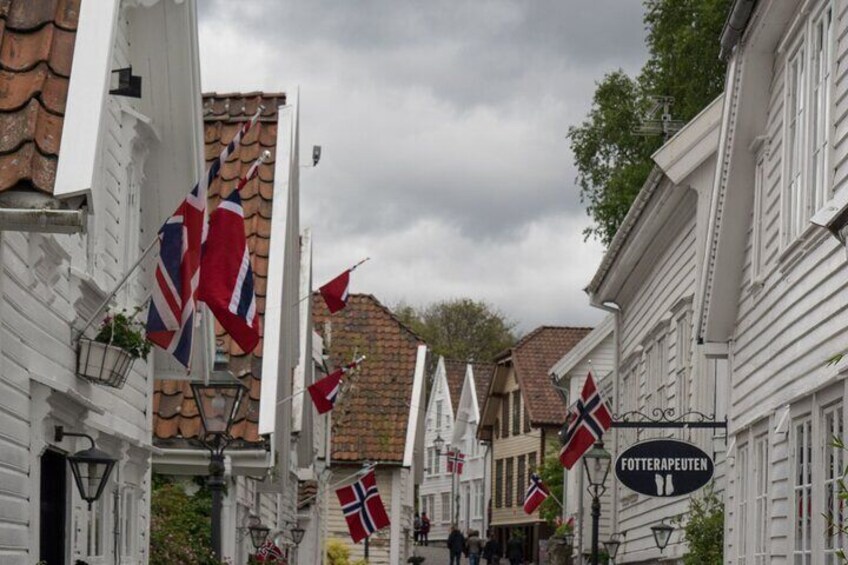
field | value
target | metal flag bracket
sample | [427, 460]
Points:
[665, 418]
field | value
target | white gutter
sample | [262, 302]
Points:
[179, 461]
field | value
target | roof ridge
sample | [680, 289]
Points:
[388, 310]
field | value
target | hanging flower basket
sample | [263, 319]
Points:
[103, 363]
[108, 358]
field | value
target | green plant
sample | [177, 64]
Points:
[180, 524]
[337, 552]
[124, 331]
[551, 474]
[562, 529]
[704, 531]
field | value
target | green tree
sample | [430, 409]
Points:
[461, 328]
[683, 62]
[551, 474]
[704, 530]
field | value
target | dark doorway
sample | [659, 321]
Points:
[53, 500]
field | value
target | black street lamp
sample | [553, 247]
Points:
[297, 537]
[218, 402]
[662, 535]
[91, 467]
[439, 444]
[258, 534]
[597, 462]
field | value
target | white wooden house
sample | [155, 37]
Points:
[437, 486]
[595, 353]
[86, 178]
[377, 420]
[475, 481]
[773, 284]
[649, 282]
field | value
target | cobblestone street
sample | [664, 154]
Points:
[435, 554]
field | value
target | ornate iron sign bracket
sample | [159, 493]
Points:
[665, 419]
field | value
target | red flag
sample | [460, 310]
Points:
[363, 508]
[226, 282]
[536, 494]
[335, 292]
[588, 419]
[325, 391]
[269, 553]
[456, 459]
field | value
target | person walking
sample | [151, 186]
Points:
[492, 550]
[416, 527]
[456, 544]
[424, 536]
[474, 547]
[515, 549]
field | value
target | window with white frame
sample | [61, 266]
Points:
[807, 121]
[834, 464]
[445, 507]
[741, 503]
[439, 421]
[802, 446]
[478, 499]
[758, 236]
[97, 526]
[760, 510]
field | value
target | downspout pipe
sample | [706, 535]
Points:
[734, 27]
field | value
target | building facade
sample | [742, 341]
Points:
[773, 284]
[83, 178]
[521, 417]
[649, 281]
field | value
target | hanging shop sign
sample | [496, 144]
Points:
[664, 468]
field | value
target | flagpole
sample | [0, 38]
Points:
[105, 302]
[365, 468]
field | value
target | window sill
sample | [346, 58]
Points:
[795, 251]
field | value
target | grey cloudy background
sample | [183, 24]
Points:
[443, 130]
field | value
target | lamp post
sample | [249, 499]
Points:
[662, 535]
[597, 462]
[297, 537]
[91, 467]
[218, 402]
[439, 444]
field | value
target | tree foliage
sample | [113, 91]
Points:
[461, 328]
[551, 474]
[683, 62]
[704, 531]
[180, 528]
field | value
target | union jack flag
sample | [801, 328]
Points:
[363, 508]
[588, 419]
[170, 318]
[536, 494]
[456, 459]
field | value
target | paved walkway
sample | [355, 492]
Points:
[436, 555]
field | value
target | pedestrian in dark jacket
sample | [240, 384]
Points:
[492, 550]
[515, 550]
[424, 536]
[456, 544]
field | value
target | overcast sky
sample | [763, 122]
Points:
[443, 130]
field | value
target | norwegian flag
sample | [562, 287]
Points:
[170, 318]
[325, 391]
[536, 494]
[269, 553]
[227, 282]
[336, 292]
[588, 419]
[363, 508]
[456, 459]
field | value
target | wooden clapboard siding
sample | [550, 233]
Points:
[379, 545]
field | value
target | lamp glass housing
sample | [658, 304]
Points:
[258, 534]
[569, 539]
[218, 403]
[439, 443]
[91, 469]
[597, 462]
[612, 545]
[297, 534]
[662, 534]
